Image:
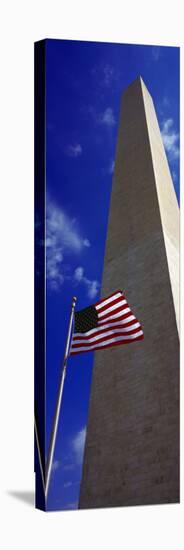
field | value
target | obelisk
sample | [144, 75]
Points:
[132, 445]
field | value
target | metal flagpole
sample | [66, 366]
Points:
[58, 404]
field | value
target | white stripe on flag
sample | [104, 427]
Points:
[111, 308]
[105, 326]
[116, 323]
[106, 333]
[108, 300]
[107, 342]
[116, 315]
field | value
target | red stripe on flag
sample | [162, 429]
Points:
[127, 341]
[113, 312]
[105, 336]
[100, 330]
[110, 296]
[110, 304]
[115, 320]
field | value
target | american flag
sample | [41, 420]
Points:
[109, 322]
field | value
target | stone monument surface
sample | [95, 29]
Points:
[132, 445]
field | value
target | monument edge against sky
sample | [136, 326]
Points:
[132, 445]
[168, 205]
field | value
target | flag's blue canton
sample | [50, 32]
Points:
[86, 319]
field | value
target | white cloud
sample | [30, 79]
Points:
[63, 230]
[69, 467]
[78, 445]
[108, 74]
[62, 237]
[156, 52]
[174, 176]
[78, 274]
[86, 243]
[68, 484]
[92, 286]
[74, 150]
[111, 167]
[170, 139]
[107, 117]
[105, 75]
[166, 101]
[55, 465]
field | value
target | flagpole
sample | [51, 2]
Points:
[58, 404]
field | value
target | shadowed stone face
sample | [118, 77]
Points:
[132, 444]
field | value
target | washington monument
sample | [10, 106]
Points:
[132, 445]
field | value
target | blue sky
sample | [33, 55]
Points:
[84, 84]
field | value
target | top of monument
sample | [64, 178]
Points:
[137, 81]
[139, 78]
